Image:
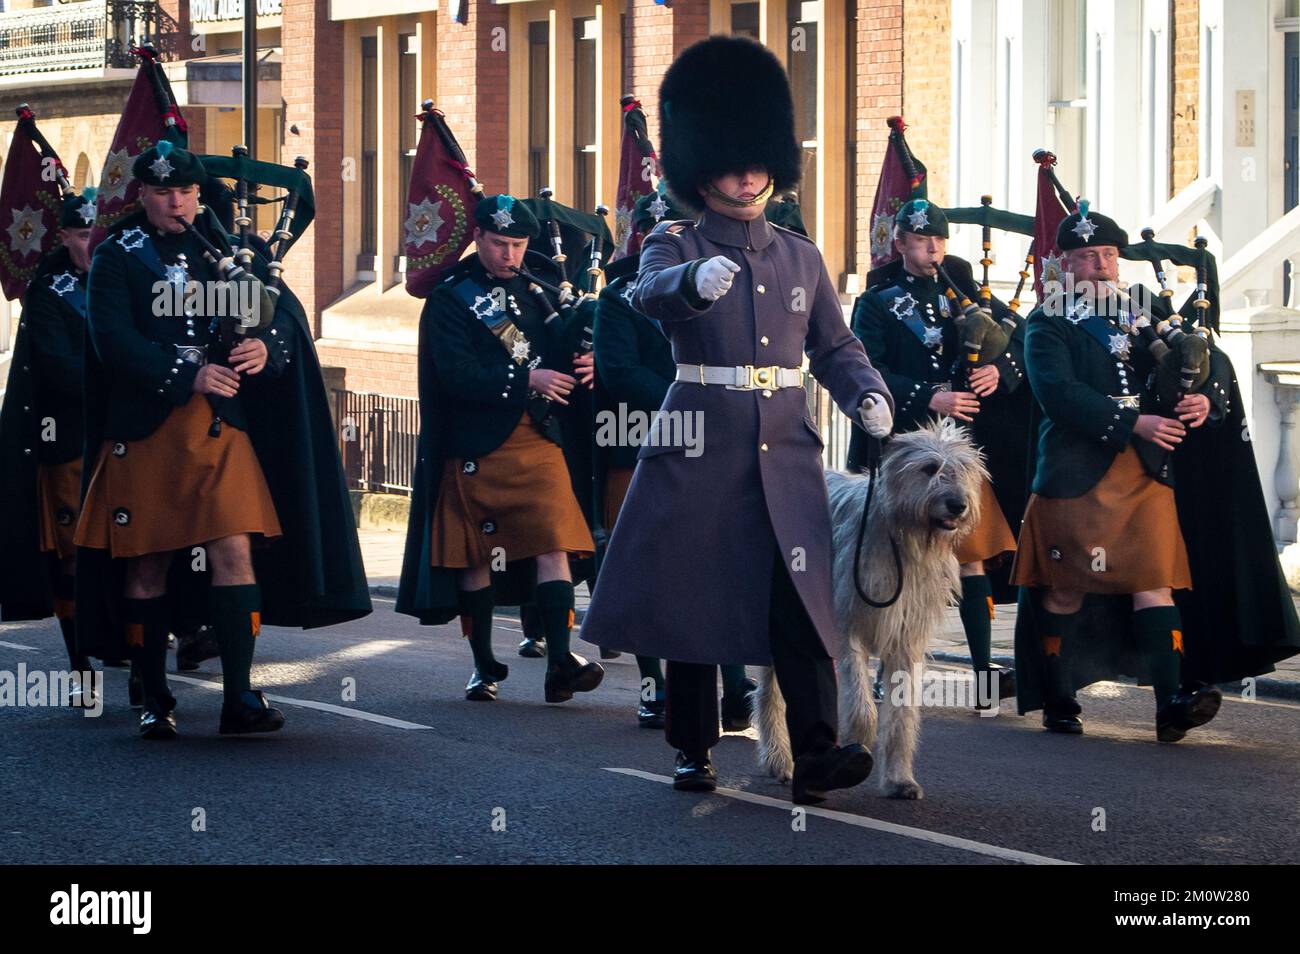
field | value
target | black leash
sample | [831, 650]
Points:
[874, 449]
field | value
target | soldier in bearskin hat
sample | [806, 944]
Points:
[908, 323]
[188, 381]
[636, 367]
[723, 548]
[492, 491]
[41, 430]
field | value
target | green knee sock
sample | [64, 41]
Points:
[976, 610]
[147, 622]
[733, 681]
[476, 608]
[555, 605]
[1058, 631]
[1159, 636]
[236, 621]
[650, 668]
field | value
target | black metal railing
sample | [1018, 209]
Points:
[90, 34]
[833, 425]
[378, 434]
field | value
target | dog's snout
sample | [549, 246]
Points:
[956, 506]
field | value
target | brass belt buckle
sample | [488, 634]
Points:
[762, 377]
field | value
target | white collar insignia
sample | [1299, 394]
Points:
[63, 283]
[904, 306]
[131, 238]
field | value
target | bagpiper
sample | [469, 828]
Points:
[41, 431]
[907, 321]
[211, 468]
[494, 521]
[1102, 544]
[723, 548]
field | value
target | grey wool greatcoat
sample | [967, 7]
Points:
[688, 572]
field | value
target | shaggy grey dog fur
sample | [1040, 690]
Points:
[927, 499]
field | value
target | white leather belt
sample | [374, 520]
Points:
[742, 377]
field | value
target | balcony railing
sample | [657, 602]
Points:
[84, 35]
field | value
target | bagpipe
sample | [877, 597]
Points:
[1178, 339]
[231, 245]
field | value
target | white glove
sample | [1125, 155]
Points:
[713, 278]
[876, 416]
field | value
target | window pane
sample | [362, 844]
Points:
[801, 35]
[369, 144]
[584, 112]
[744, 20]
[539, 94]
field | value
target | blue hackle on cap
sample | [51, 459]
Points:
[1084, 206]
[164, 148]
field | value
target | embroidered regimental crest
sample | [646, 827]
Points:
[1052, 270]
[904, 306]
[1084, 229]
[502, 219]
[87, 212]
[116, 177]
[918, 219]
[26, 230]
[423, 221]
[131, 238]
[882, 230]
[63, 284]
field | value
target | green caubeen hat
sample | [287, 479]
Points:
[506, 215]
[167, 164]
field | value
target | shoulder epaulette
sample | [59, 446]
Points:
[787, 231]
[674, 227]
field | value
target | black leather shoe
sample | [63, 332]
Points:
[1064, 723]
[578, 676]
[480, 689]
[694, 774]
[158, 719]
[609, 653]
[193, 648]
[250, 714]
[650, 715]
[1187, 710]
[736, 708]
[532, 648]
[841, 766]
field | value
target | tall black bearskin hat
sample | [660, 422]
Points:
[725, 106]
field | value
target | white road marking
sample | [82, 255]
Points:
[861, 821]
[19, 646]
[310, 704]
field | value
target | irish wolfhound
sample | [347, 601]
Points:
[927, 499]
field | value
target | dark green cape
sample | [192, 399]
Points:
[25, 572]
[311, 576]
